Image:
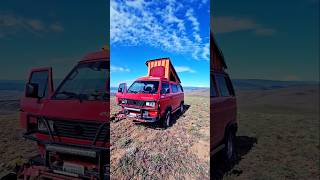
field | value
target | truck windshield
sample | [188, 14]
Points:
[87, 81]
[148, 87]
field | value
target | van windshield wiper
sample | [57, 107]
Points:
[68, 94]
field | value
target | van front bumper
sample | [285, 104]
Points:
[140, 115]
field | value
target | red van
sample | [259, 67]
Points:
[223, 108]
[69, 124]
[155, 97]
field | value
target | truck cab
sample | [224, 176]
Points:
[70, 124]
[223, 108]
[154, 97]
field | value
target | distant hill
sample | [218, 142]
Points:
[10, 85]
[17, 85]
[241, 84]
[259, 84]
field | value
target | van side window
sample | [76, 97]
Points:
[230, 87]
[40, 78]
[222, 85]
[213, 90]
[165, 86]
[180, 89]
[174, 88]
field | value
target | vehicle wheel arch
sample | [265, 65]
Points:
[232, 126]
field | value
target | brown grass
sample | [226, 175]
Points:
[150, 152]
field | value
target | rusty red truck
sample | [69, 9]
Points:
[223, 107]
[70, 124]
[154, 97]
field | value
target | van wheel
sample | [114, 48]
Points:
[229, 151]
[181, 108]
[167, 119]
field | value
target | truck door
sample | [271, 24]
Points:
[39, 87]
[223, 107]
[175, 96]
[165, 97]
[122, 89]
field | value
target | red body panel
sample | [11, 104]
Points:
[223, 108]
[158, 70]
[67, 109]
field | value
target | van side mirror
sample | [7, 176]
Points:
[162, 91]
[32, 90]
[122, 88]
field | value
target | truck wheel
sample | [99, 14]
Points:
[167, 119]
[181, 108]
[229, 151]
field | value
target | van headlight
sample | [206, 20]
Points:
[123, 101]
[43, 127]
[151, 103]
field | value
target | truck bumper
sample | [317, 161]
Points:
[74, 159]
[139, 115]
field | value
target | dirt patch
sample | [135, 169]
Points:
[14, 149]
[201, 149]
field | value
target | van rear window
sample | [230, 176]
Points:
[174, 88]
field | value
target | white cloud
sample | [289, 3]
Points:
[160, 24]
[14, 24]
[227, 24]
[181, 69]
[118, 69]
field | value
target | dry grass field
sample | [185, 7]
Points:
[278, 138]
[278, 135]
[149, 152]
[13, 148]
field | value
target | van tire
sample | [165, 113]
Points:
[181, 108]
[229, 152]
[166, 122]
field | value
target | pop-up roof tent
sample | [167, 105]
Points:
[162, 67]
[216, 56]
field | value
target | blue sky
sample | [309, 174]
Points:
[269, 39]
[49, 33]
[142, 30]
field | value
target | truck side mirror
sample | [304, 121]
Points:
[122, 88]
[162, 91]
[32, 90]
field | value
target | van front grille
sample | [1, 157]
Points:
[80, 130]
[135, 102]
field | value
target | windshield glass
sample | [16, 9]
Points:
[148, 87]
[87, 81]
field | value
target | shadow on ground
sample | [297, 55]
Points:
[218, 168]
[175, 117]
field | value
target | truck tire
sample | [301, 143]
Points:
[229, 152]
[181, 108]
[167, 119]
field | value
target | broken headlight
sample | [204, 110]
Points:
[42, 126]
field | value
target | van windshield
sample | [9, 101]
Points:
[148, 87]
[87, 81]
